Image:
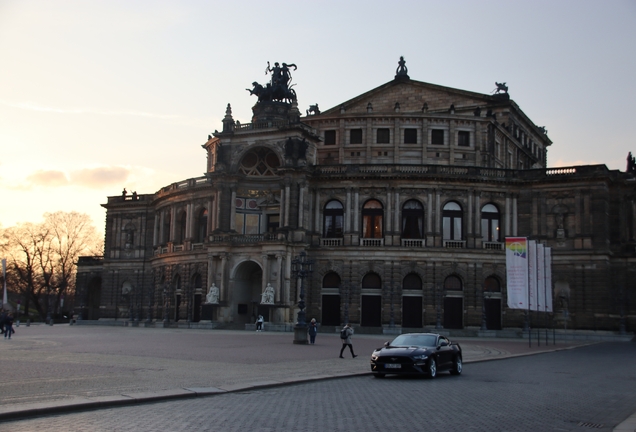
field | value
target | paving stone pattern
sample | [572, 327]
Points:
[590, 388]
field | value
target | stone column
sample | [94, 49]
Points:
[429, 212]
[287, 199]
[356, 207]
[173, 222]
[470, 211]
[281, 218]
[396, 216]
[478, 214]
[233, 210]
[347, 219]
[387, 212]
[317, 227]
[162, 223]
[265, 277]
[211, 214]
[223, 288]
[155, 240]
[507, 229]
[514, 215]
[301, 205]
[217, 209]
[281, 278]
[438, 212]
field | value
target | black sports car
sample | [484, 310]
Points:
[417, 353]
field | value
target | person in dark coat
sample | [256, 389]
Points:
[8, 326]
[348, 331]
[3, 318]
[313, 330]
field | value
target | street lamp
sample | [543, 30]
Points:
[301, 268]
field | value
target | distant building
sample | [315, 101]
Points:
[401, 197]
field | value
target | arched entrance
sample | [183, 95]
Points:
[453, 303]
[371, 301]
[246, 295]
[492, 303]
[331, 299]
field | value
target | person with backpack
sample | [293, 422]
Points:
[345, 335]
[312, 330]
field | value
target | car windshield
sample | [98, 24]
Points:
[414, 340]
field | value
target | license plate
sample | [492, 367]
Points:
[393, 366]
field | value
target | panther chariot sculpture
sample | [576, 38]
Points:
[279, 88]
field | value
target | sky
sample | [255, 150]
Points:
[96, 96]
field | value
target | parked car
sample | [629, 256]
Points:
[417, 354]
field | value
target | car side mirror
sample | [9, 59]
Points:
[386, 344]
[443, 344]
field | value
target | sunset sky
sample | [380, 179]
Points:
[96, 96]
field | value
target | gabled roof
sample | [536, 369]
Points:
[411, 96]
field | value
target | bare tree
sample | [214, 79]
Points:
[41, 258]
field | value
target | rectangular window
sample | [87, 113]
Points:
[383, 136]
[273, 221]
[437, 137]
[330, 137]
[410, 136]
[463, 138]
[355, 136]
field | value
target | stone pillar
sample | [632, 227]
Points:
[478, 232]
[317, 227]
[429, 212]
[155, 240]
[356, 207]
[347, 218]
[233, 211]
[281, 279]
[470, 212]
[265, 277]
[301, 205]
[507, 216]
[514, 215]
[438, 216]
[396, 216]
[223, 288]
[211, 214]
[281, 219]
[287, 199]
[387, 212]
[162, 224]
[217, 209]
[173, 223]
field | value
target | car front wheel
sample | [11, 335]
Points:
[432, 368]
[457, 366]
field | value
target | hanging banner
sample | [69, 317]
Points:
[547, 251]
[517, 272]
[532, 275]
[540, 278]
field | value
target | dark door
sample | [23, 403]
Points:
[197, 308]
[453, 312]
[493, 314]
[412, 312]
[330, 310]
[177, 306]
[371, 311]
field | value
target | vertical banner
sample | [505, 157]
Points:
[540, 278]
[4, 282]
[532, 275]
[517, 272]
[548, 279]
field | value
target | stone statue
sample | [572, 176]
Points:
[279, 88]
[401, 70]
[501, 87]
[213, 295]
[631, 163]
[268, 295]
[313, 109]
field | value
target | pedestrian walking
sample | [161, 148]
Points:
[345, 335]
[313, 330]
[8, 326]
[259, 323]
[3, 318]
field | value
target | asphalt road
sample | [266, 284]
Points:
[587, 388]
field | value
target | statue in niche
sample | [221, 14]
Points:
[268, 295]
[213, 295]
[560, 228]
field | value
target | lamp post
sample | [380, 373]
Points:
[301, 268]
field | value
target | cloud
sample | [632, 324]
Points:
[48, 178]
[97, 178]
[568, 163]
[31, 106]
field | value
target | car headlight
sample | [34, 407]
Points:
[374, 357]
[420, 357]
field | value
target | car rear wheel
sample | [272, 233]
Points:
[378, 375]
[457, 366]
[432, 368]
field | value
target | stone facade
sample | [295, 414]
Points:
[401, 197]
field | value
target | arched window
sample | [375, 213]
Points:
[181, 228]
[490, 223]
[166, 227]
[196, 281]
[334, 219]
[202, 225]
[452, 221]
[176, 282]
[412, 220]
[331, 280]
[492, 284]
[453, 283]
[371, 280]
[258, 162]
[372, 214]
[412, 281]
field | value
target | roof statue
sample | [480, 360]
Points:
[279, 88]
[501, 87]
[401, 71]
[631, 163]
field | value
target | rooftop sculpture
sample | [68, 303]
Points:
[279, 88]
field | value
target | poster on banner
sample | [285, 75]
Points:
[540, 278]
[547, 252]
[517, 272]
[532, 275]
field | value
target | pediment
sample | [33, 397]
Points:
[413, 97]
